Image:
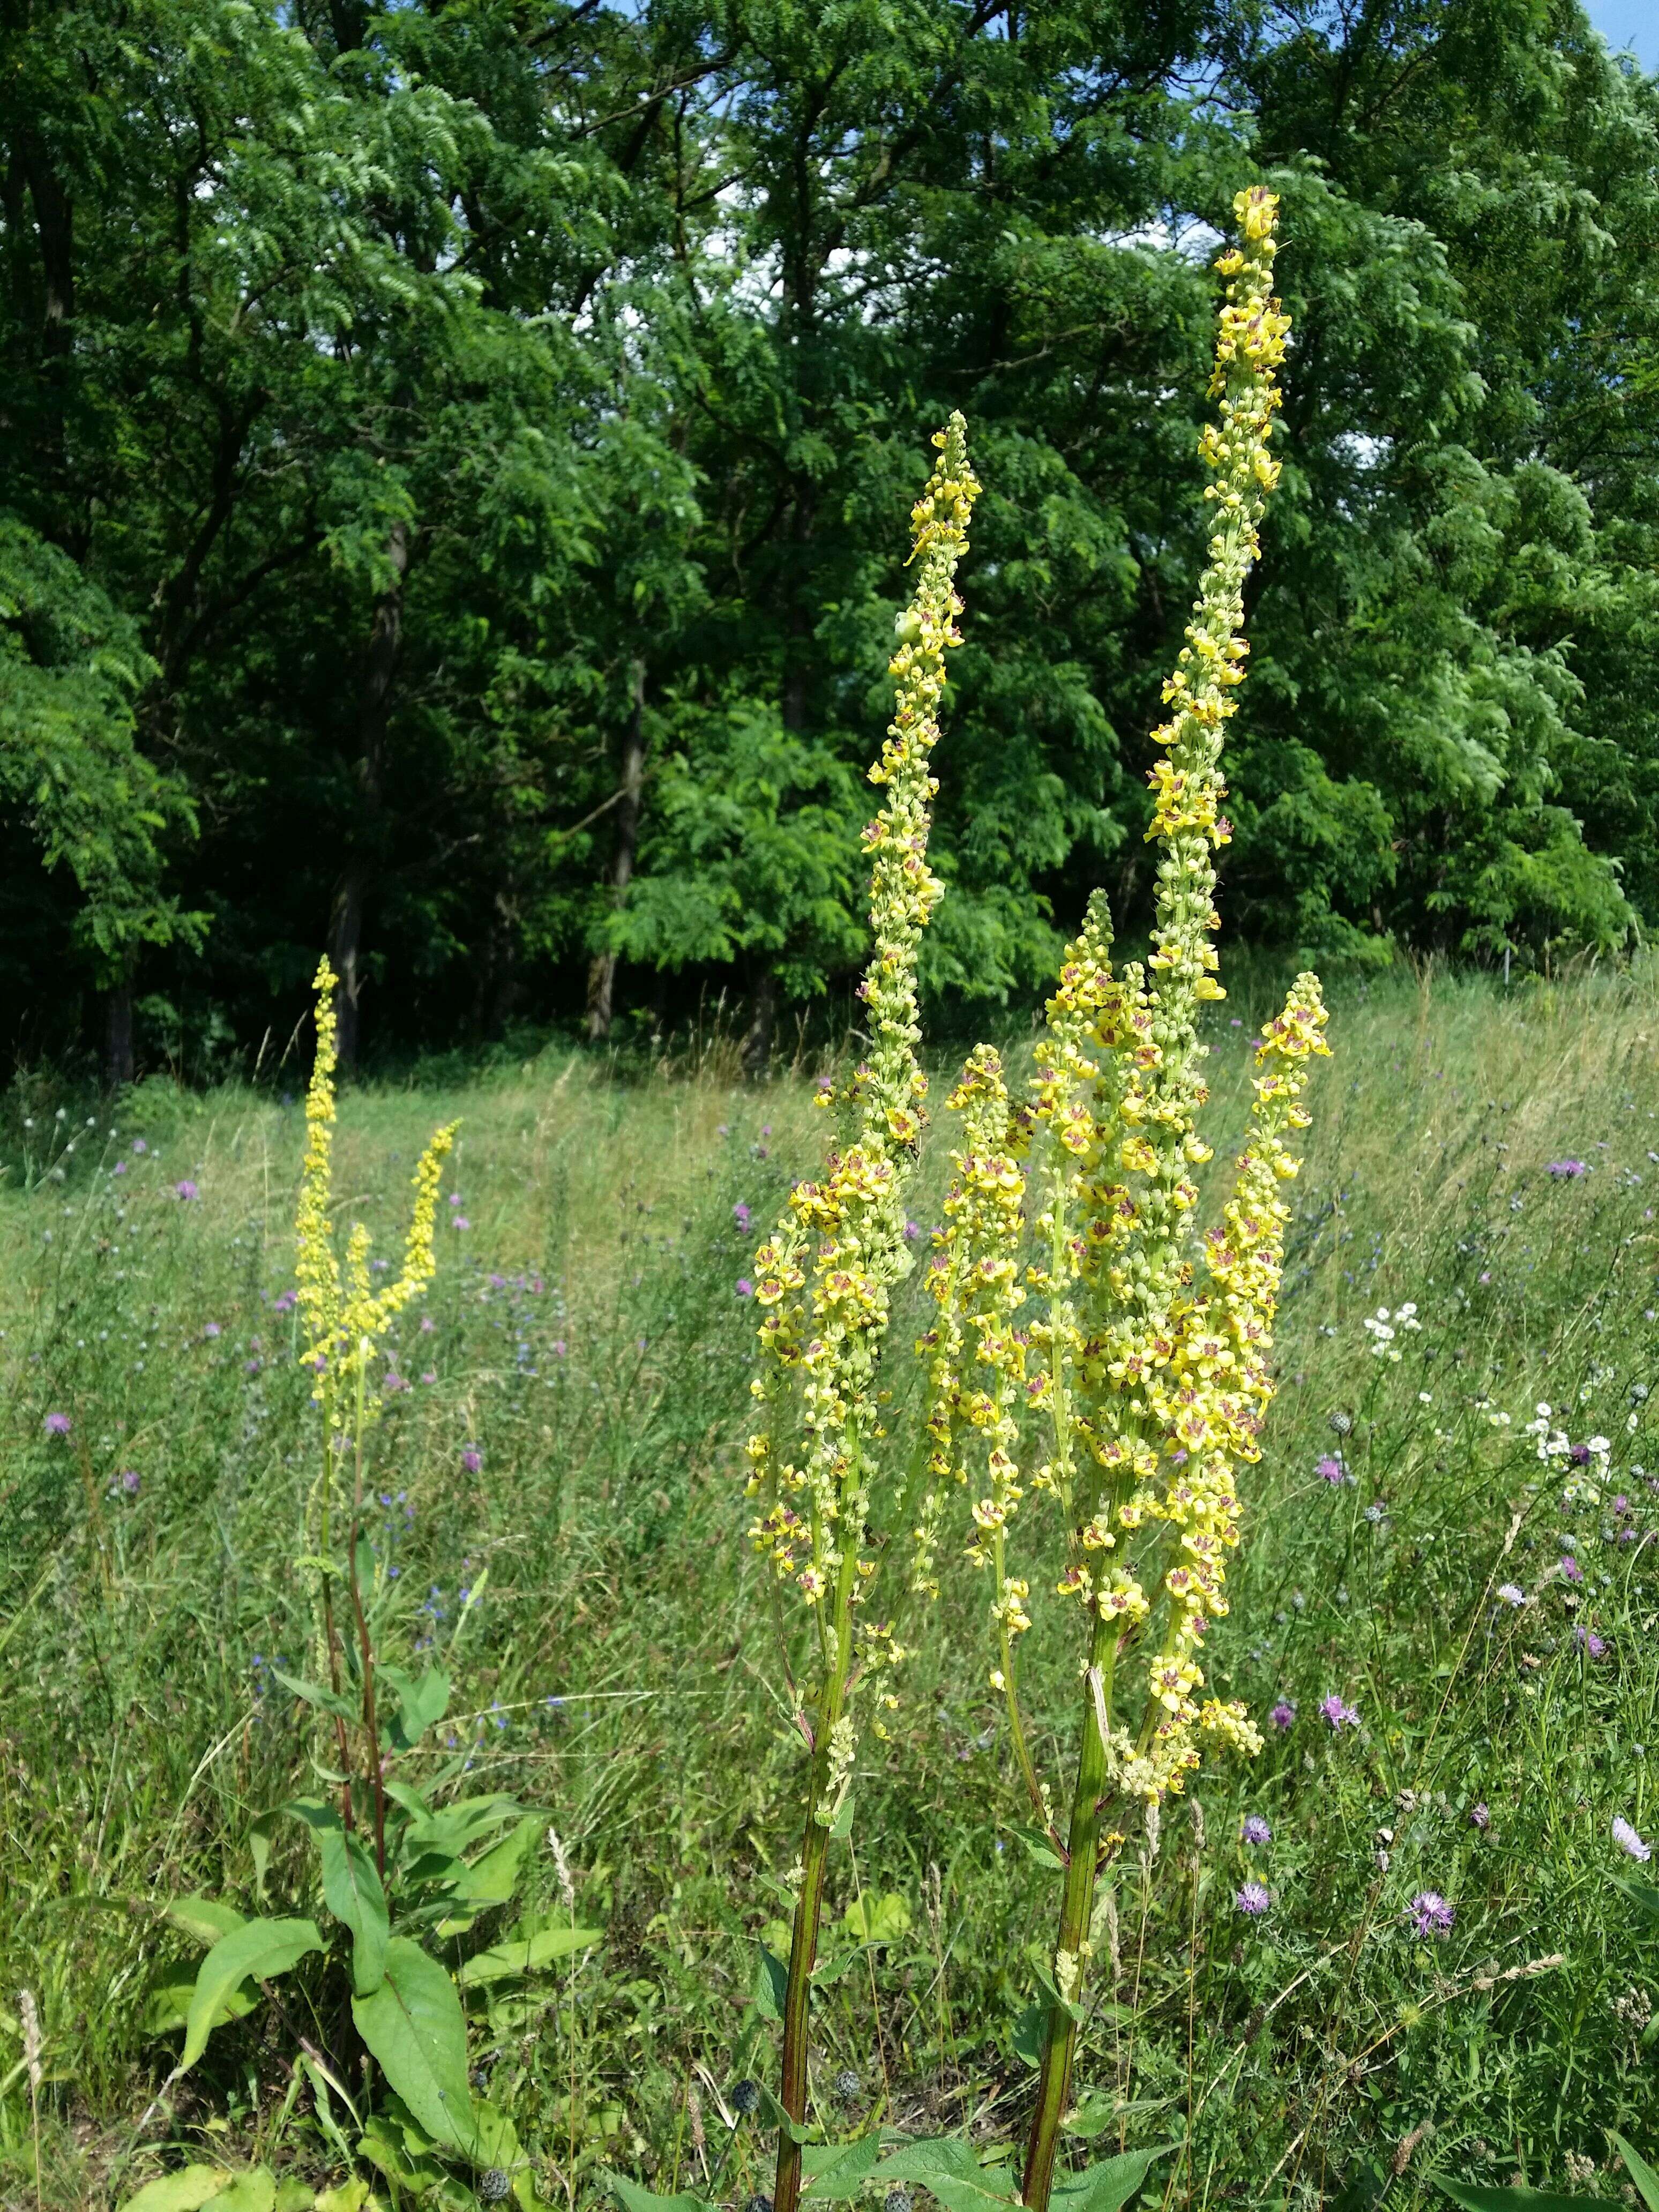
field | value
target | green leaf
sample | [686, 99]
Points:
[1093, 2118]
[182, 2192]
[633, 2198]
[1506, 2200]
[524, 1954]
[879, 1920]
[423, 1701]
[835, 2173]
[168, 2008]
[492, 1879]
[384, 2144]
[1109, 2184]
[771, 1985]
[413, 2025]
[1031, 2032]
[1646, 2180]
[842, 1826]
[294, 2196]
[1038, 1849]
[947, 2168]
[1643, 1893]
[204, 1919]
[313, 1694]
[253, 2191]
[258, 1843]
[257, 1951]
[774, 2116]
[352, 1891]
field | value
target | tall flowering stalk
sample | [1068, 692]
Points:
[345, 1317]
[824, 1278]
[1146, 1358]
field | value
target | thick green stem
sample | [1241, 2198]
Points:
[1077, 1904]
[814, 1854]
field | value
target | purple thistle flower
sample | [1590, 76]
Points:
[1565, 1170]
[1587, 1640]
[454, 1198]
[740, 1214]
[1256, 1829]
[1571, 1569]
[1480, 1817]
[1431, 1914]
[459, 1221]
[1339, 1715]
[121, 1168]
[57, 1425]
[287, 1302]
[186, 1190]
[1254, 1899]
[1332, 1469]
[427, 1324]
[211, 1328]
[1283, 1713]
[1628, 1841]
[746, 1288]
[139, 1145]
[129, 1481]
[472, 1459]
[912, 1230]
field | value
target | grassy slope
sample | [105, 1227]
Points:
[616, 1672]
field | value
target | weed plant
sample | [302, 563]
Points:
[1445, 1971]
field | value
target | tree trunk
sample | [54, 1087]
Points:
[118, 1033]
[351, 894]
[763, 1014]
[602, 975]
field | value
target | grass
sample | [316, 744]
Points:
[608, 1631]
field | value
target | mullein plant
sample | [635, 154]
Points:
[345, 1318]
[820, 1474]
[1139, 1345]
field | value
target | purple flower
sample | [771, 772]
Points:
[211, 1328]
[139, 1145]
[472, 1459]
[1480, 1817]
[912, 1230]
[128, 1480]
[286, 1303]
[740, 1215]
[1332, 1469]
[1256, 1829]
[1579, 1455]
[1253, 1898]
[1511, 1593]
[746, 1288]
[427, 1324]
[454, 1198]
[186, 1190]
[1587, 1640]
[1283, 1713]
[1338, 1715]
[121, 1168]
[1566, 1170]
[57, 1425]
[459, 1221]
[557, 1347]
[1627, 1840]
[1571, 1569]
[1431, 1914]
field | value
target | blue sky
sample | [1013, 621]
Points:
[1629, 23]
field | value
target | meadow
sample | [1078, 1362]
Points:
[1395, 1942]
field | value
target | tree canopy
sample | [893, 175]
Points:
[456, 454]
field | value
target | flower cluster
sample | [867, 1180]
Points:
[1148, 1352]
[1384, 1327]
[824, 1278]
[344, 1315]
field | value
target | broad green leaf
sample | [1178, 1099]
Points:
[313, 1694]
[771, 1985]
[948, 2170]
[841, 1826]
[878, 1919]
[295, 2197]
[456, 1827]
[168, 2008]
[1506, 2200]
[253, 2191]
[191, 2186]
[352, 1891]
[413, 2025]
[1107, 2186]
[524, 1954]
[828, 1972]
[835, 2173]
[258, 1843]
[1094, 2117]
[1031, 2032]
[1646, 2180]
[422, 1700]
[774, 2116]
[204, 1919]
[385, 2145]
[633, 2198]
[493, 1879]
[1643, 1893]
[1037, 1847]
[257, 1951]
[350, 2197]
